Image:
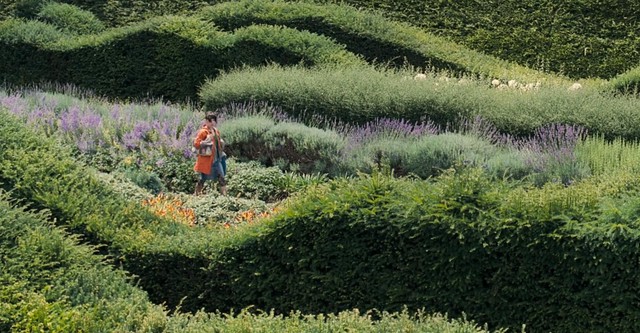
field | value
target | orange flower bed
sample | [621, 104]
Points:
[171, 207]
[250, 216]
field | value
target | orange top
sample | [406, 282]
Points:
[203, 163]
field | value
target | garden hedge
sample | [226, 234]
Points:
[166, 57]
[362, 94]
[577, 38]
[556, 258]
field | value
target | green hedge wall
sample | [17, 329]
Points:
[551, 259]
[556, 258]
[167, 57]
[371, 35]
[579, 38]
[50, 283]
[111, 13]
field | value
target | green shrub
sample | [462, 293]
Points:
[607, 156]
[14, 31]
[360, 95]
[626, 83]
[166, 57]
[70, 18]
[432, 154]
[213, 209]
[579, 38]
[253, 181]
[147, 180]
[244, 137]
[176, 174]
[372, 35]
[29, 8]
[124, 186]
[51, 283]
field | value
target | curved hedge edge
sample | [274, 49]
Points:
[627, 83]
[158, 269]
[345, 23]
[167, 57]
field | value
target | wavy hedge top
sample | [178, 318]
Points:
[371, 35]
[580, 38]
[165, 57]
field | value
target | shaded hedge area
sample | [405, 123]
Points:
[462, 244]
[51, 283]
[579, 38]
[112, 13]
[372, 35]
[555, 258]
[167, 57]
[337, 22]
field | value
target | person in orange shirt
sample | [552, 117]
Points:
[210, 163]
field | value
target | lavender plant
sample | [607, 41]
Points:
[156, 137]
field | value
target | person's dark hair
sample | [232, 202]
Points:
[211, 117]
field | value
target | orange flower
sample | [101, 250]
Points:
[166, 206]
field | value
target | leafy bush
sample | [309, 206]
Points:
[179, 53]
[213, 209]
[253, 181]
[145, 179]
[70, 18]
[124, 186]
[14, 31]
[359, 95]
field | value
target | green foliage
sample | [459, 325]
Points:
[286, 144]
[292, 182]
[606, 156]
[166, 57]
[124, 186]
[253, 181]
[176, 174]
[579, 38]
[70, 18]
[369, 34]
[626, 83]
[213, 209]
[509, 164]
[51, 283]
[432, 154]
[359, 95]
[145, 179]
[349, 95]
[15, 31]
[507, 256]
[28, 8]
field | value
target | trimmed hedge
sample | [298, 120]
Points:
[49, 282]
[371, 35]
[70, 18]
[360, 95]
[167, 57]
[556, 258]
[579, 38]
[170, 260]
